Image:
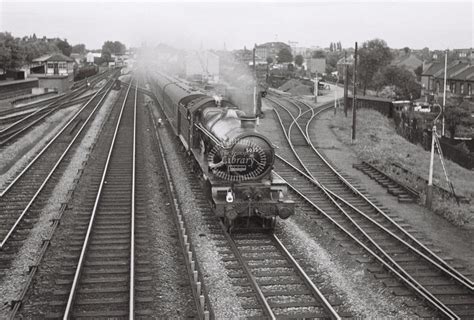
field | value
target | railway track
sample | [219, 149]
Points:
[414, 264]
[22, 200]
[111, 272]
[269, 280]
[31, 115]
[274, 276]
[13, 117]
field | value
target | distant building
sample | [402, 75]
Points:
[91, 56]
[316, 65]
[270, 49]
[305, 52]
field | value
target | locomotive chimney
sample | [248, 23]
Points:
[247, 122]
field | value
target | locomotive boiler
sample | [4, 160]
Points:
[234, 161]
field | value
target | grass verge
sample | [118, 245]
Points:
[378, 143]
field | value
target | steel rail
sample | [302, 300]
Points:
[53, 140]
[20, 114]
[307, 280]
[253, 282]
[438, 305]
[410, 246]
[294, 119]
[20, 218]
[132, 228]
[47, 109]
[390, 264]
[439, 262]
[77, 274]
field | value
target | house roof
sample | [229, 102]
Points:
[432, 69]
[410, 61]
[452, 70]
[53, 57]
[467, 74]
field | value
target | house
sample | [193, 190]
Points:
[462, 82]
[459, 79]
[428, 83]
[54, 71]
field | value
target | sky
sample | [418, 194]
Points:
[213, 25]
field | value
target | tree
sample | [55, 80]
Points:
[331, 47]
[373, 55]
[318, 54]
[331, 60]
[106, 56]
[456, 117]
[291, 67]
[299, 60]
[79, 48]
[64, 46]
[113, 47]
[284, 55]
[269, 60]
[6, 42]
[403, 82]
[406, 50]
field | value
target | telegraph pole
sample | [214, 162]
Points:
[346, 84]
[354, 102]
[444, 92]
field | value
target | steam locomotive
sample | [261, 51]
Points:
[234, 161]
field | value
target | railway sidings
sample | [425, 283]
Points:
[419, 268]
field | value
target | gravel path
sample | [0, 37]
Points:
[173, 297]
[15, 277]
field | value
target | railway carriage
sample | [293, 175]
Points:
[234, 161]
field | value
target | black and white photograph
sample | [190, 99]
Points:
[219, 160]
